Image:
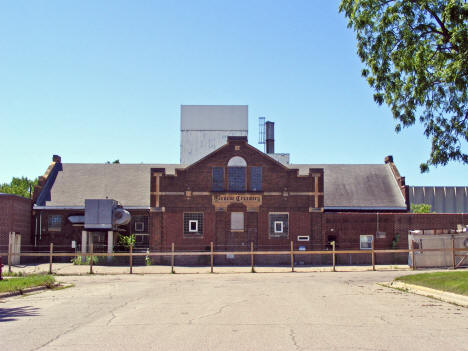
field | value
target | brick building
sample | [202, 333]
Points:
[232, 197]
[15, 216]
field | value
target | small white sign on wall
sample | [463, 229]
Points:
[380, 235]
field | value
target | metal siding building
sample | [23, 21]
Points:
[205, 128]
[443, 199]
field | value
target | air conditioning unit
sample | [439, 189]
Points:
[104, 214]
[303, 238]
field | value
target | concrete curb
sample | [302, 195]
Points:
[27, 291]
[449, 297]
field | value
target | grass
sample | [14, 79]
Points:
[13, 274]
[21, 283]
[454, 282]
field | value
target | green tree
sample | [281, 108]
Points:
[421, 208]
[416, 58]
[19, 186]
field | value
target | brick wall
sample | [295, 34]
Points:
[15, 216]
[68, 232]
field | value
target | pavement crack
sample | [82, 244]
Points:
[292, 336]
[218, 311]
[76, 326]
[112, 311]
[72, 328]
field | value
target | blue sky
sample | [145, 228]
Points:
[95, 81]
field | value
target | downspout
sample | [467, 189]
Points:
[35, 233]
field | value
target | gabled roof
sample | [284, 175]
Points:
[242, 139]
[358, 187]
[127, 183]
[347, 187]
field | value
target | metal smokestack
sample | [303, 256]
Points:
[270, 137]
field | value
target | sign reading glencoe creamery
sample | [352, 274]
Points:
[249, 200]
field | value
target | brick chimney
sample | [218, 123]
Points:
[400, 180]
[56, 159]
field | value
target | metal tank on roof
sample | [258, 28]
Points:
[205, 128]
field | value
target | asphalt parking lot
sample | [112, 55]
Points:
[268, 311]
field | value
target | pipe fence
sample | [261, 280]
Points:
[457, 253]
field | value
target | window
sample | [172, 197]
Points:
[366, 242]
[140, 224]
[256, 178]
[54, 223]
[278, 227]
[217, 179]
[193, 226]
[236, 178]
[236, 174]
[142, 239]
[98, 237]
[279, 224]
[237, 221]
[193, 223]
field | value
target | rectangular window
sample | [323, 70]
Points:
[256, 178]
[236, 178]
[217, 179]
[279, 224]
[193, 226]
[140, 224]
[237, 221]
[278, 227]
[193, 223]
[142, 240]
[54, 223]
[99, 237]
[366, 242]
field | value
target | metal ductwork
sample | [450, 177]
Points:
[77, 219]
[121, 216]
[104, 214]
[270, 137]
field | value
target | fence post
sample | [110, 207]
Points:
[50, 257]
[333, 256]
[131, 259]
[373, 254]
[9, 257]
[252, 262]
[91, 251]
[211, 256]
[412, 255]
[292, 256]
[172, 259]
[453, 252]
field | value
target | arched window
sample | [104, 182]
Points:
[237, 174]
[237, 161]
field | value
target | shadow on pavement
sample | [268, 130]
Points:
[11, 314]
